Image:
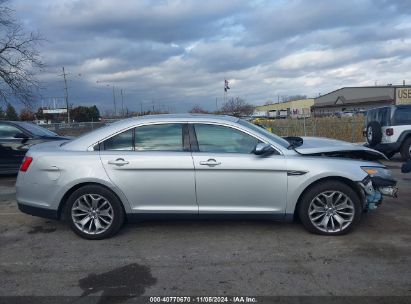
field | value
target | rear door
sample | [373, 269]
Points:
[153, 167]
[230, 179]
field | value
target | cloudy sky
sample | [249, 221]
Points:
[175, 54]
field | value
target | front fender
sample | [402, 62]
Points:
[320, 168]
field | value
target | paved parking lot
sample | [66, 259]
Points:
[43, 257]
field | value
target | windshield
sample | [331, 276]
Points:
[277, 139]
[36, 130]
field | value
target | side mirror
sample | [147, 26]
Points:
[263, 149]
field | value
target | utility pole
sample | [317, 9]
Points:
[114, 101]
[122, 103]
[141, 108]
[66, 95]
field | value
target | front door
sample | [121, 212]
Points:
[231, 179]
[153, 168]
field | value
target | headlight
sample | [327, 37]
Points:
[376, 171]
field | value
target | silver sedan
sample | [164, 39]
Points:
[199, 166]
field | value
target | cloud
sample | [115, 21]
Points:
[175, 53]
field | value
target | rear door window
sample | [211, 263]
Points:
[162, 137]
[120, 142]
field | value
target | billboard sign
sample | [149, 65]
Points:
[403, 95]
[54, 111]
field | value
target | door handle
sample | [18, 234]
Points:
[210, 162]
[118, 162]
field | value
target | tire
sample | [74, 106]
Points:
[314, 223]
[103, 222]
[406, 149]
[373, 133]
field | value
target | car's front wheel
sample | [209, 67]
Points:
[93, 212]
[330, 208]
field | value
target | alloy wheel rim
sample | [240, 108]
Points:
[331, 211]
[92, 214]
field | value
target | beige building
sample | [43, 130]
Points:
[289, 109]
[354, 99]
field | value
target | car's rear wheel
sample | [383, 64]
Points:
[330, 208]
[93, 212]
[373, 133]
[406, 149]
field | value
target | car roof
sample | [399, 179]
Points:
[85, 141]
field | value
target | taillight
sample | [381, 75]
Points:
[389, 131]
[26, 163]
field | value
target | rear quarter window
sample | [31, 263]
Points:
[402, 116]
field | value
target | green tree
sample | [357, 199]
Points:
[81, 114]
[11, 113]
[94, 113]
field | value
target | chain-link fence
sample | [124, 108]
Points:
[348, 129]
[73, 129]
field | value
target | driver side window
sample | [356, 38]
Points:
[221, 139]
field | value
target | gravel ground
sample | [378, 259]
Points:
[43, 257]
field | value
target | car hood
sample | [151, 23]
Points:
[338, 148]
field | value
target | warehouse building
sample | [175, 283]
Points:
[359, 99]
[289, 109]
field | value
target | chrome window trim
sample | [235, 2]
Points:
[233, 125]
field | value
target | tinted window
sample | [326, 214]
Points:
[7, 131]
[36, 130]
[402, 116]
[219, 139]
[165, 137]
[122, 141]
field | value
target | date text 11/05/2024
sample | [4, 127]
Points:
[203, 299]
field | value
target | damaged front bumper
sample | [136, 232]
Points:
[374, 188]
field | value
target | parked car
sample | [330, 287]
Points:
[199, 166]
[388, 129]
[15, 139]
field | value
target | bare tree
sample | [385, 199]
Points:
[237, 107]
[19, 59]
[197, 109]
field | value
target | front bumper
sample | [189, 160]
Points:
[38, 211]
[374, 188]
